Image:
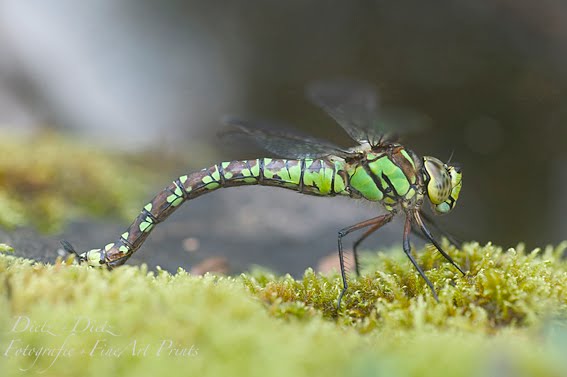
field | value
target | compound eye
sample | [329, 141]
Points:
[438, 180]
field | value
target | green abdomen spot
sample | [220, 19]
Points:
[362, 182]
[285, 172]
[318, 174]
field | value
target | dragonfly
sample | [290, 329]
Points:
[377, 169]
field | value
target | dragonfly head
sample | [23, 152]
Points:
[443, 184]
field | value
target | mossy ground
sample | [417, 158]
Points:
[506, 317]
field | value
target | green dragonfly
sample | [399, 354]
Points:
[378, 169]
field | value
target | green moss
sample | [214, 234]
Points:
[506, 317]
[46, 179]
[6, 248]
[501, 289]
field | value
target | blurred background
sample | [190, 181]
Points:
[489, 76]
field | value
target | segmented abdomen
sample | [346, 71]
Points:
[321, 177]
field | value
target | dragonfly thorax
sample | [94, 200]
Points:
[361, 148]
[442, 184]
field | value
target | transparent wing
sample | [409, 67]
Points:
[354, 106]
[280, 140]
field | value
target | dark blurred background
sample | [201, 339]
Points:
[489, 75]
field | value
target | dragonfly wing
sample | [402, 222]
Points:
[354, 106]
[280, 140]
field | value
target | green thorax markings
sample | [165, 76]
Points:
[364, 183]
[387, 176]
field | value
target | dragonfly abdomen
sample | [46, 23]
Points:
[322, 177]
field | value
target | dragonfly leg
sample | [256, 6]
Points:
[380, 222]
[375, 223]
[427, 234]
[407, 250]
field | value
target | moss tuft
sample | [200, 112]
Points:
[506, 317]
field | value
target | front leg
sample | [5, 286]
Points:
[407, 250]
